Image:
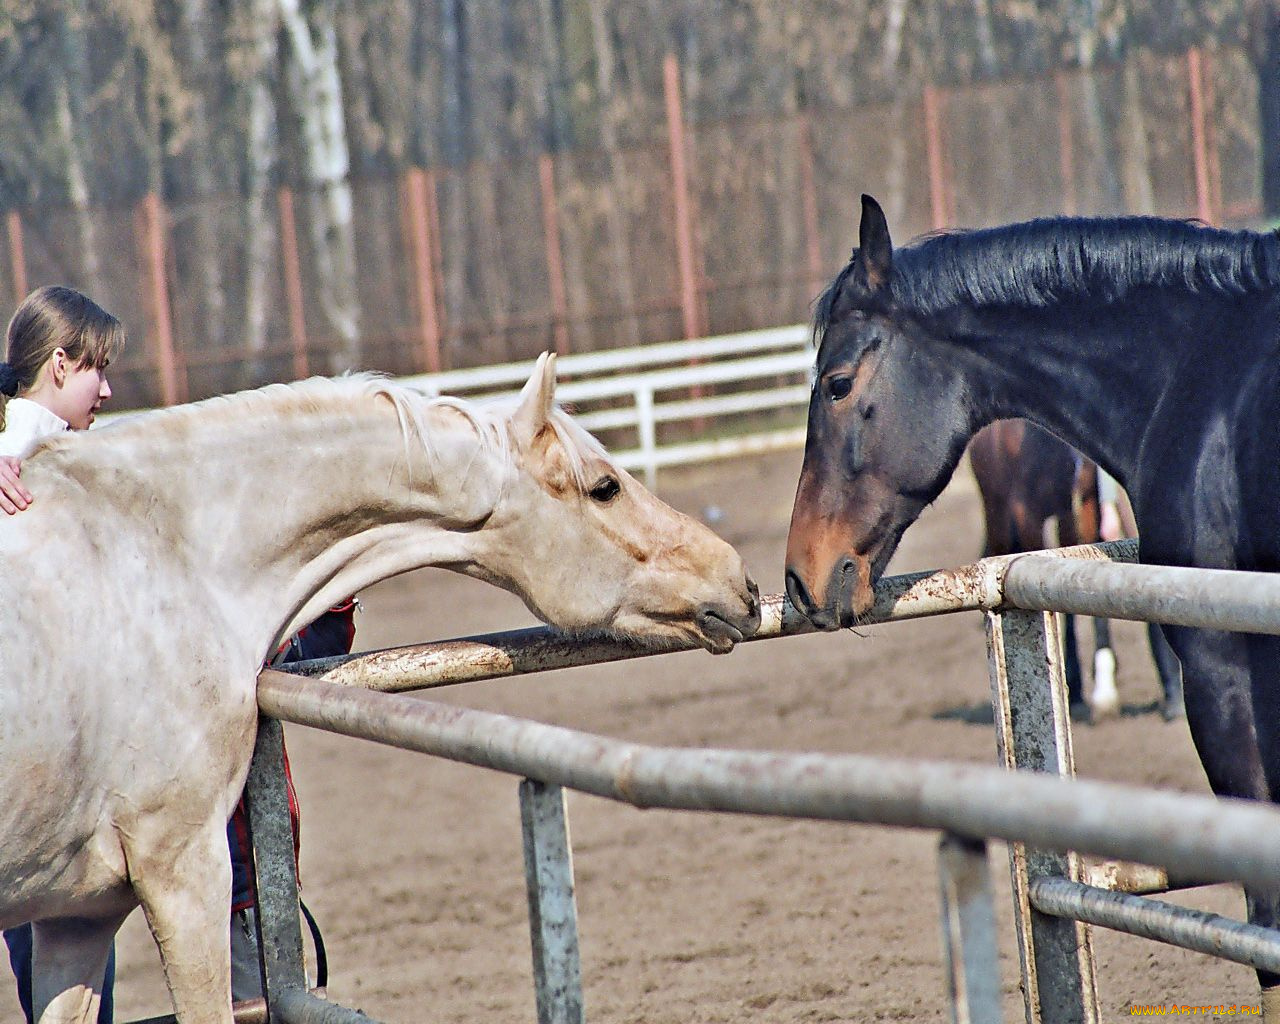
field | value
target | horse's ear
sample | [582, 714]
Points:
[875, 250]
[534, 410]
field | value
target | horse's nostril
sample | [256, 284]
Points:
[798, 594]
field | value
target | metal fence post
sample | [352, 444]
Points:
[969, 930]
[1033, 732]
[553, 912]
[275, 872]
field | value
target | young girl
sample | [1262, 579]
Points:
[54, 378]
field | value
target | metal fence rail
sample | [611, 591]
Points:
[1047, 820]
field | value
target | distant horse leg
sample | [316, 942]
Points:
[1170, 672]
[1105, 699]
[68, 966]
[1083, 526]
[186, 897]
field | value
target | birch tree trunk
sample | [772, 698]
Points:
[1109, 197]
[194, 19]
[618, 190]
[1135, 156]
[895, 203]
[255, 53]
[315, 89]
[69, 119]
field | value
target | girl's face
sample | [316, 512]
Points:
[84, 390]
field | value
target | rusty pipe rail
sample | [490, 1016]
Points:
[976, 587]
[1202, 837]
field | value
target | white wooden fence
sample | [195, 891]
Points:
[638, 390]
[1048, 820]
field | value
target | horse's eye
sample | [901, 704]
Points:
[605, 489]
[839, 387]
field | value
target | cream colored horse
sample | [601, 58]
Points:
[165, 556]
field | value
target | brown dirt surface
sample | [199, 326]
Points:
[413, 865]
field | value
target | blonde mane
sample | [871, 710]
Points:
[489, 418]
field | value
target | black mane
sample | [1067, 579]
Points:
[1043, 262]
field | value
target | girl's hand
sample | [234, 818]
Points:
[13, 496]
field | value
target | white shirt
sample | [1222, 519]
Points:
[25, 423]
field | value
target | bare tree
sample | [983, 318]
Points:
[69, 26]
[253, 61]
[315, 88]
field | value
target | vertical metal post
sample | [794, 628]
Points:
[553, 913]
[809, 204]
[1033, 733]
[292, 281]
[969, 931]
[1199, 135]
[17, 256]
[555, 257]
[424, 278]
[153, 215]
[939, 200]
[275, 872]
[689, 304]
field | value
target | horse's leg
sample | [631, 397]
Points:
[68, 968]
[1104, 698]
[1228, 686]
[186, 895]
[1170, 672]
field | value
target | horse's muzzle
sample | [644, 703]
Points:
[845, 595]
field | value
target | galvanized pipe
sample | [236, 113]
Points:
[1245, 602]
[1196, 836]
[295, 1006]
[1164, 922]
[520, 651]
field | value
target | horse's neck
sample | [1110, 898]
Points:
[1095, 382]
[287, 516]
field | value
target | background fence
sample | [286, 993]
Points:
[723, 226]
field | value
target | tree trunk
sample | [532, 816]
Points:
[69, 118]
[1267, 61]
[1135, 157]
[895, 203]
[316, 93]
[617, 190]
[258, 58]
[195, 16]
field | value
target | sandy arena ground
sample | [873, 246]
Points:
[413, 866]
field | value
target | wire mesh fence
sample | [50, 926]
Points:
[584, 250]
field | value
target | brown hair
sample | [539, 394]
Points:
[50, 318]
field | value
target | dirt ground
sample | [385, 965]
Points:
[413, 866]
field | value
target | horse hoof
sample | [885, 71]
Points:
[1172, 709]
[1081, 712]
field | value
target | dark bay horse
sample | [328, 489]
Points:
[1152, 346]
[1028, 478]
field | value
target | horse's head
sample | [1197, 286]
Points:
[887, 426]
[589, 548]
